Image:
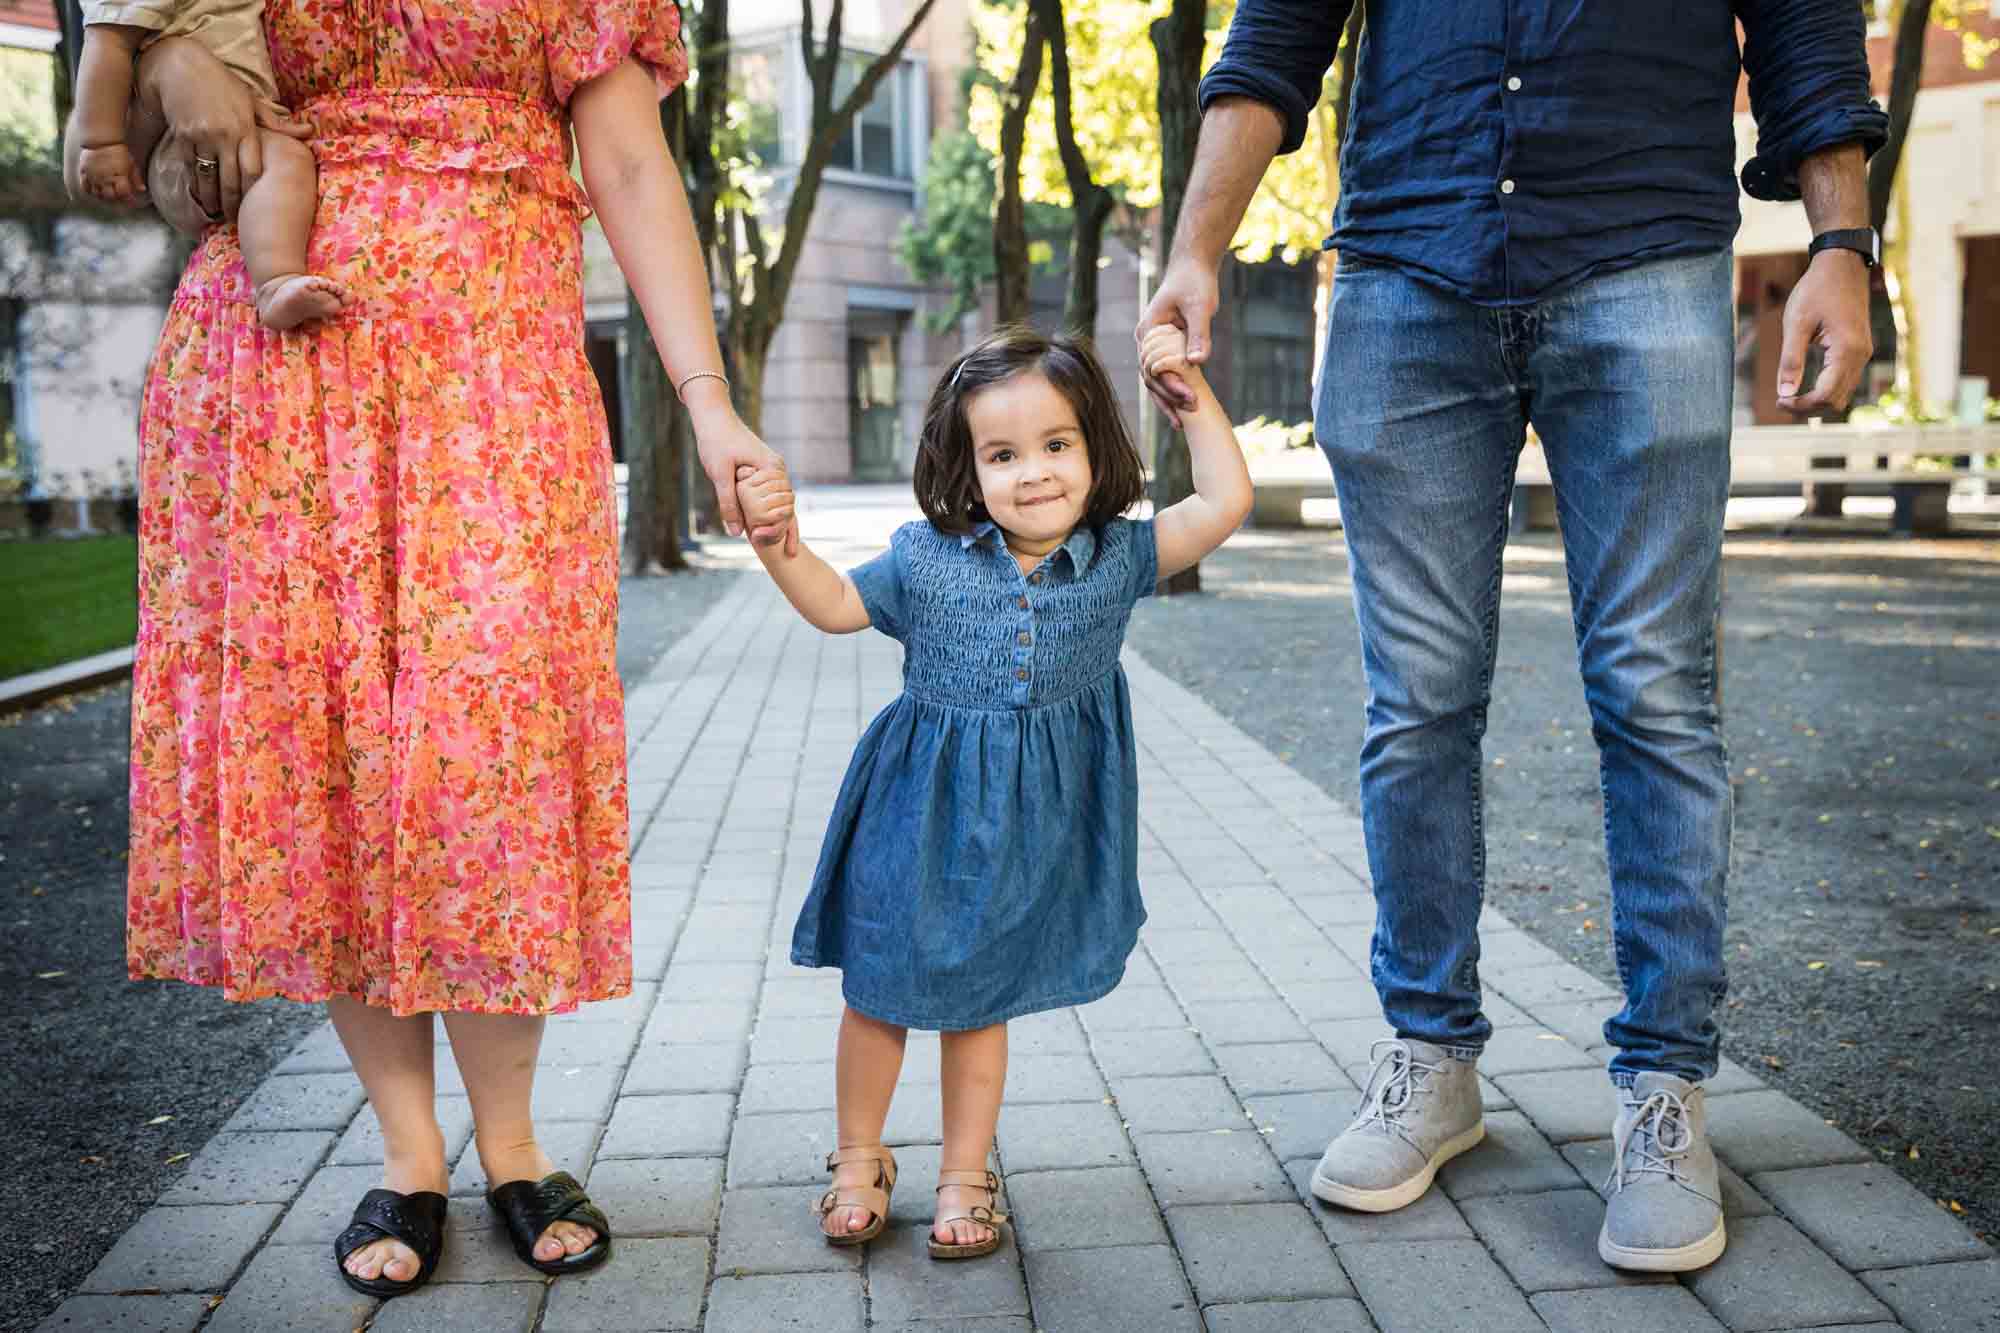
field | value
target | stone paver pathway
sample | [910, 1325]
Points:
[1155, 1145]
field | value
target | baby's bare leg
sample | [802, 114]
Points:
[273, 227]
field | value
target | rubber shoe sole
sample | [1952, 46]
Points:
[1397, 1196]
[1679, 1259]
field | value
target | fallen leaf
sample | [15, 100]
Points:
[1774, 1062]
[1915, 1156]
[1826, 819]
[92, 1160]
[1954, 1205]
[1815, 965]
[1867, 962]
[177, 1157]
[159, 1120]
[51, 976]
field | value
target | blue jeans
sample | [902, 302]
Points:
[1423, 404]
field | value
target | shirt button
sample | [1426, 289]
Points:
[1506, 187]
[1026, 638]
[1022, 674]
[1514, 84]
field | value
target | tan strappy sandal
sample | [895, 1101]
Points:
[986, 1215]
[875, 1197]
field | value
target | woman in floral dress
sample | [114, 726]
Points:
[378, 754]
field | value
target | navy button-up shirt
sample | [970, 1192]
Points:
[1503, 148]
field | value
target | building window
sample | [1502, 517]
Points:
[878, 142]
[771, 86]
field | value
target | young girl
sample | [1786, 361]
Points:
[981, 862]
[281, 193]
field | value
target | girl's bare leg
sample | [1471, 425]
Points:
[973, 1066]
[869, 1059]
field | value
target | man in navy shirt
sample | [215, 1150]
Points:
[1537, 202]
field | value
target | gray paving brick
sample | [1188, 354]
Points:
[1211, 1167]
[320, 1053]
[1771, 1277]
[1061, 1137]
[1131, 1289]
[1000, 1324]
[779, 1089]
[1055, 1032]
[1522, 1050]
[695, 1125]
[1133, 1008]
[1166, 1105]
[1437, 1286]
[1514, 1159]
[125, 1314]
[476, 1249]
[775, 1231]
[568, 1146]
[1151, 1052]
[1317, 1001]
[323, 1207]
[915, 1116]
[1943, 1298]
[690, 982]
[489, 1307]
[300, 1101]
[1547, 1242]
[183, 1249]
[717, 1020]
[780, 1149]
[820, 1302]
[1053, 1078]
[1235, 1023]
[1351, 1041]
[1192, 982]
[1432, 1217]
[573, 1044]
[659, 1196]
[794, 1040]
[628, 1010]
[1645, 1308]
[1290, 1317]
[361, 1145]
[577, 1092]
[905, 1284]
[290, 1289]
[1581, 1022]
[1301, 1124]
[1768, 1131]
[681, 1067]
[1066, 1210]
[1246, 1252]
[1866, 1216]
[1191, 946]
[1565, 1104]
[1491, 1098]
[801, 997]
[1502, 950]
[650, 1286]
[1281, 1067]
[1560, 983]
[257, 1167]
[1592, 1160]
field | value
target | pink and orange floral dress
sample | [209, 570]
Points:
[378, 739]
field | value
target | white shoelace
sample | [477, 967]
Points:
[1656, 1139]
[1394, 1079]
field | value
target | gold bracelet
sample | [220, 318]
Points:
[699, 375]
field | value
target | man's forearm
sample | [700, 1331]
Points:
[1834, 184]
[1239, 137]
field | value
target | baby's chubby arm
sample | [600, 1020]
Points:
[106, 169]
[827, 598]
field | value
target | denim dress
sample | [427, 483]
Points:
[982, 859]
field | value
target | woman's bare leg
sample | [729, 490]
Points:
[392, 1056]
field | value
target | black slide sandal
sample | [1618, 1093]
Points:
[529, 1207]
[417, 1220]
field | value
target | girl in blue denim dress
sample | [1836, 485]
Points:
[981, 862]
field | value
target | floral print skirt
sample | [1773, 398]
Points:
[377, 731]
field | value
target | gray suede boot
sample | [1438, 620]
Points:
[1421, 1108]
[1663, 1206]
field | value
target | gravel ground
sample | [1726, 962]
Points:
[94, 1060]
[1862, 695]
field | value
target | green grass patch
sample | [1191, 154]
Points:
[61, 600]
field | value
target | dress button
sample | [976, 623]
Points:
[1514, 84]
[1021, 674]
[1024, 603]
[1026, 638]
[1506, 187]
[1035, 577]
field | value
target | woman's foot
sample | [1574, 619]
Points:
[392, 1259]
[956, 1202]
[290, 299]
[528, 1162]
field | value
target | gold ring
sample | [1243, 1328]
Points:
[205, 163]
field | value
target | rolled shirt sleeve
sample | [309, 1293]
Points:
[1277, 53]
[1808, 67]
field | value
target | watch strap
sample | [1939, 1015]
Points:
[1862, 240]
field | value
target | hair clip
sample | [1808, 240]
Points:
[960, 371]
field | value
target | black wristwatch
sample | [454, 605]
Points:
[1864, 241]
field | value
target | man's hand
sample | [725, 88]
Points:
[1186, 300]
[1828, 307]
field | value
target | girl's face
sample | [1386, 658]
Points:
[1031, 459]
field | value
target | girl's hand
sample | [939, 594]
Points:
[765, 496]
[110, 175]
[726, 444]
[1163, 353]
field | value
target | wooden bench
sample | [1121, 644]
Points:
[1917, 465]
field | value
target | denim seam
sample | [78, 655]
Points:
[1490, 642]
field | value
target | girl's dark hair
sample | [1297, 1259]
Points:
[946, 480]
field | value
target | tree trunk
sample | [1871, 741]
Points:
[1010, 226]
[1177, 42]
[1911, 24]
[1090, 203]
[69, 52]
[653, 427]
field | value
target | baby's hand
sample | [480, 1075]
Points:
[110, 174]
[765, 495]
[1164, 352]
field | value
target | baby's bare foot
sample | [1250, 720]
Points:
[290, 299]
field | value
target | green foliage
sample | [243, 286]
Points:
[1261, 436]
[953, 241]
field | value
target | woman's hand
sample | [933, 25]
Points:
[726, 444]
[212, 121]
